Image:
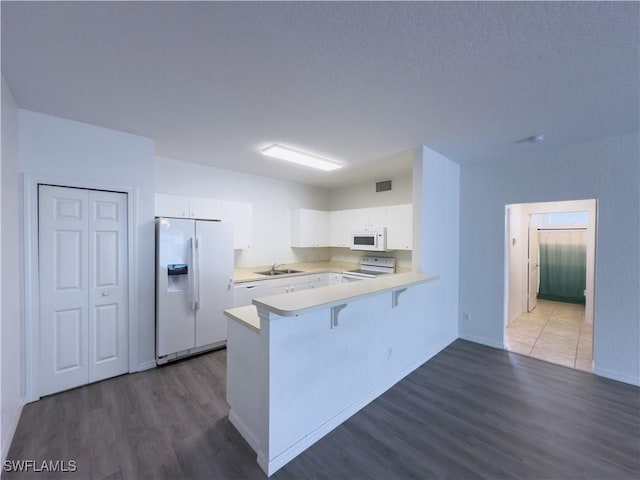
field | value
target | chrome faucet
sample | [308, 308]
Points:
[276, 265]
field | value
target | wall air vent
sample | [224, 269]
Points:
[384, 186]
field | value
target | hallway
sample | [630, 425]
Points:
[554, 332]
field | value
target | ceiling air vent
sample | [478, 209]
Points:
[383, 186]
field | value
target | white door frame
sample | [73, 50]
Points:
[588, 205]
[31, 303]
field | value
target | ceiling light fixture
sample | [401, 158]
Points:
[301, 158]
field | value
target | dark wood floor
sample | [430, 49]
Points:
[470, 412]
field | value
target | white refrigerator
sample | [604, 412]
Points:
[194, 284]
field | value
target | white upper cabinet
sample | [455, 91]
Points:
[309, 228]
[205, 208]
[376, 217]
[179, 206]
[171, 206]
[240, 215]
[354, 219]
[400, 227]
[339, 229]
[397, 218]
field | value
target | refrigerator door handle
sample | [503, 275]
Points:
[197, 273]
[194, 276]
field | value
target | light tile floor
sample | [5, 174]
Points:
[555, 332]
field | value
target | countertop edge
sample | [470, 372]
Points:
[247, 316]
[376, 286]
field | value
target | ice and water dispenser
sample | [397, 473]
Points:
[177, 277]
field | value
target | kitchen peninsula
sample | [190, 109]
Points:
[300, 364]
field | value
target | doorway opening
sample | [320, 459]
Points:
[549, 281]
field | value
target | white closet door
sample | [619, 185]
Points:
[108, 300]
[82, 242]
[63, 254]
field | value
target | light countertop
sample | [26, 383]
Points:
[247, 274]
[248, 315]
[291, 304]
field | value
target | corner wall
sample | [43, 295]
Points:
[436, 200]
[11, 397]
[607, 170]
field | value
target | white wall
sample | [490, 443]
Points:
[436, 213]
[99, 156]
[364, 194]
[607, 170]
[272, 200]
[11, 369]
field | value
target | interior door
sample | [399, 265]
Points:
[108, 285]
[532, 296]
[214, 258]
[82, 257]
[63, 252]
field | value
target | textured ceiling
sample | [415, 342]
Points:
[356, 82]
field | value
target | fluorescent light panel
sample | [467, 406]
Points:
[301, 158]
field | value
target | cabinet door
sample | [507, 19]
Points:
[240, 215]
[354, 219]
[205, 208]
[376, 216]
[319, 280]
[275, 289]
[244, 293]
[175, 206]
[400, 227]
[309, 228]
[341, 223]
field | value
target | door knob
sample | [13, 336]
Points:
[105, 294]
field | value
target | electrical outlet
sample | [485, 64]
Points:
[465, 317]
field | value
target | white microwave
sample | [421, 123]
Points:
[373, 240]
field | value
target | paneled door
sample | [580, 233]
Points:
[82, 257]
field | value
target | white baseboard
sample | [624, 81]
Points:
[148, 365]
[246, 433]
[270, 467]
[481, 340]
[7, 437]
[602, 372]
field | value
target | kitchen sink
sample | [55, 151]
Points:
[279, 272]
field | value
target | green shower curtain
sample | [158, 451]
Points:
[563, 265]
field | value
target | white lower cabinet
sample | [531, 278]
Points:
[319, 280]
[287, 285]
[245, 292]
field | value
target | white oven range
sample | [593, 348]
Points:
[370, 267]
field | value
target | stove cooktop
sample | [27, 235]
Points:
[365, 272]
